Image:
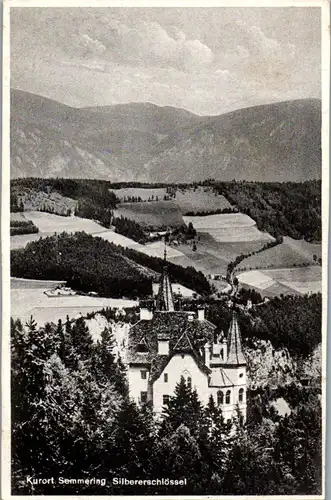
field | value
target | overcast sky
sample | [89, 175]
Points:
[206, 60]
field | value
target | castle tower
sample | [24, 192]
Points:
[235, 352]
[165, 298]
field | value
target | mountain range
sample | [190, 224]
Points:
[145, 142]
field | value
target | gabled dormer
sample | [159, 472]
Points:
[142, 346]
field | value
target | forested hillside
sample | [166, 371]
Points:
[291, 322]
[287, 208]
[89, 263]
[94, 198]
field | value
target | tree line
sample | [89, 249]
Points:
[233, 264]
[22, 227]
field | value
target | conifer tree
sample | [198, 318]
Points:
[134, 441]
[183, 407]
[81, 339]
[179, 455]
[216, 440]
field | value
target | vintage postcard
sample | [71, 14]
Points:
[164, 248]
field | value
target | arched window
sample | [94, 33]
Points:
[228, 397]
[187, 378]
[220, 397]
[222, 353]
[241, 395]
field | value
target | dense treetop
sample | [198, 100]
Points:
[288, 208]
[71, 410]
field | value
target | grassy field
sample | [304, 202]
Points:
[49, 224]
[28, 299]
[271, 282]
[35, 200]
[156, 214]
[144, 193]
[200, 200]
[288, 254]
[230, 228]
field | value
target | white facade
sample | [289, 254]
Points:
[180, 365]
[161, 353]
[137, 383]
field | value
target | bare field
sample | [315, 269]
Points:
[156, 214]
[51, 223]
[229, 227]
[271, 282]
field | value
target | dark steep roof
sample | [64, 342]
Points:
[183, 334]
[165, 298]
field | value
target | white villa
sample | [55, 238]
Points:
[167, 344]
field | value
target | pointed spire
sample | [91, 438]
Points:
[165, 299]
[235, 353]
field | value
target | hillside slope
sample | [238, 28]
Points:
[142, 141]
[116, 141]
[274, 142]
[41, 152]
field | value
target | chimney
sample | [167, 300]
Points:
[163, 347]
[146, 310]
[207, 354]
[201, 314]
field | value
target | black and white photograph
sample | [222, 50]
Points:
[164, 248]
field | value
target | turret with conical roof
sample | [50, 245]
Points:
[235, 351]
[165, 298]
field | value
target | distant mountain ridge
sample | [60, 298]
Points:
[145, 142]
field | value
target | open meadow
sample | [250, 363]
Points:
[28, 299]
[288, 254]
[18, 217]
[200, 199]
[229, 228]
[192, 199]
[49, 224]
[156, 214]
